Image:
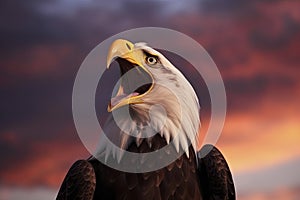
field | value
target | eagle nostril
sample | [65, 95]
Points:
[128, 46]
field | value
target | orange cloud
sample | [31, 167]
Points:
[266, 134]
[279, 194]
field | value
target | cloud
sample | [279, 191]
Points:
[271, 178]
[262, 133]
[42, 163]
[280, 194]
[15, 193]
[254, 44]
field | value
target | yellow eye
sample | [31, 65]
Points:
[151, 60]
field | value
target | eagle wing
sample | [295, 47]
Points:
[215, 177]
[79, 183]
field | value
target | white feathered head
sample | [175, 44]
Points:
[155, 95]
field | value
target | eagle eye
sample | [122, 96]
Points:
[151, 60]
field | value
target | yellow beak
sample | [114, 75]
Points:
[121, 48]
[125, 49]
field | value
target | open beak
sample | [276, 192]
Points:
[128, 58]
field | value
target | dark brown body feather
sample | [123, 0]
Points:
[181, 179]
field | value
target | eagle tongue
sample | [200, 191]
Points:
[117, 99]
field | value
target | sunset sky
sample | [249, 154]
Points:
[255, 44]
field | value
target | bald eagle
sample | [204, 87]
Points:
[193, 174]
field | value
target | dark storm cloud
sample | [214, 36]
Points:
[241, 92]
[23, 26]
[275, 32]
[35, 99]
[225, 6]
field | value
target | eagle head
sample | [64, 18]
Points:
[158, 97]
